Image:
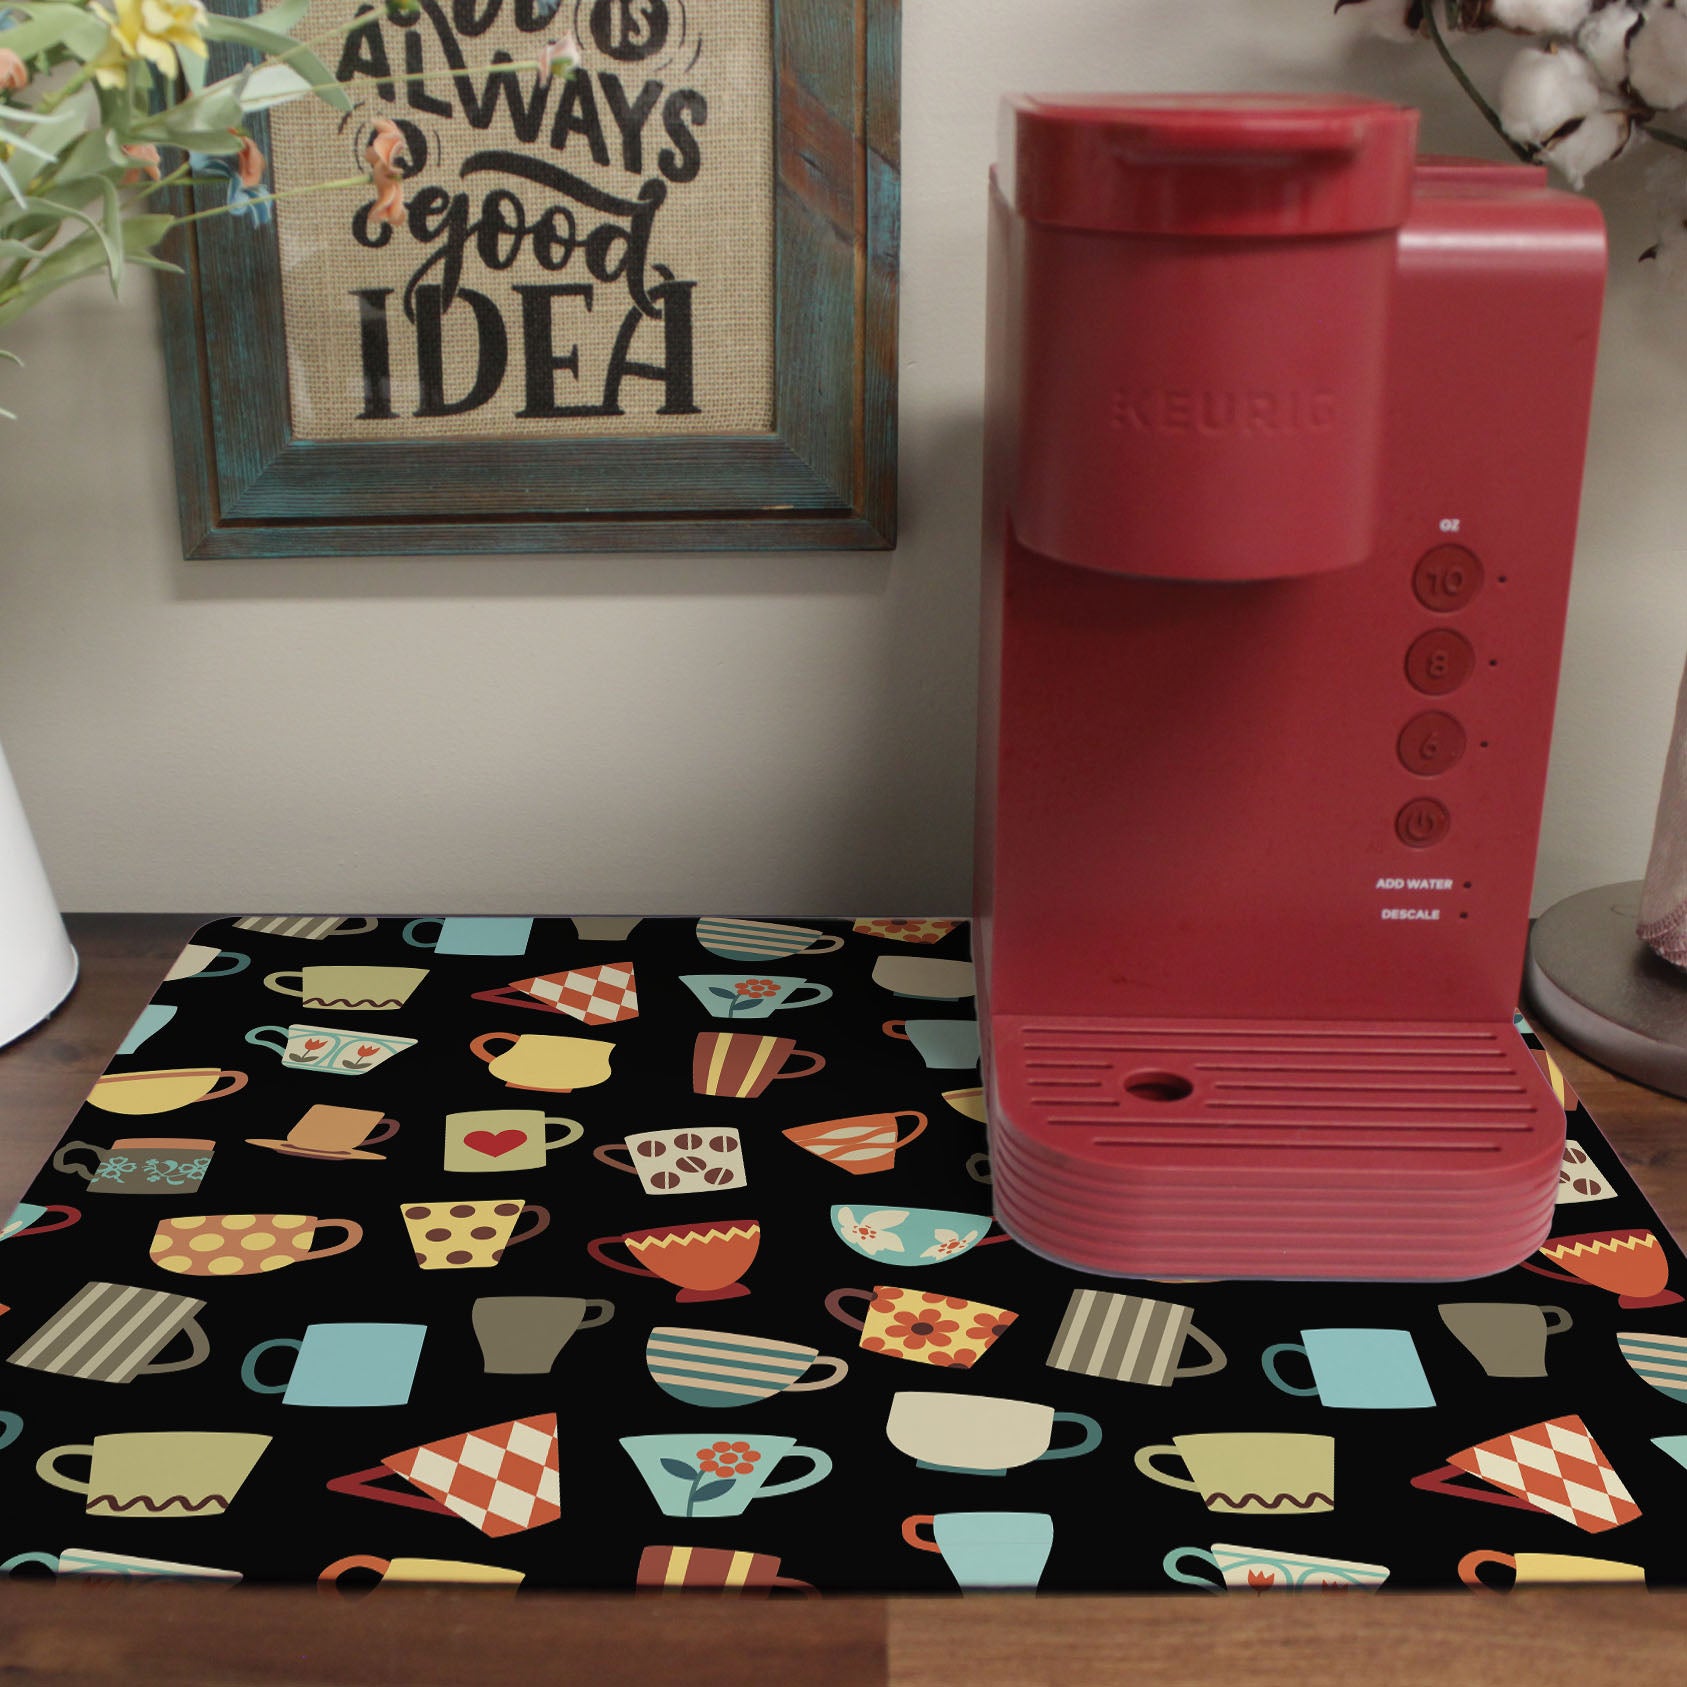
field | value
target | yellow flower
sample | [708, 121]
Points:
[148, 29]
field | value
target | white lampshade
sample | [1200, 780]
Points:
[37, 963]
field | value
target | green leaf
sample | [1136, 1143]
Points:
[200, 123]
[293, 56]
[286, 17]
[113, 231]
[273, 84]
[74, 28]
[76, 258]
[86, 188]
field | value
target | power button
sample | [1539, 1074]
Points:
[1422, 822]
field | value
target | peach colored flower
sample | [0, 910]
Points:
[145, 156]
[566, 50]
[14, 73]
[249, 163]
[380, 154]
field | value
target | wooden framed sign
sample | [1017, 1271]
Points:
[648, 306]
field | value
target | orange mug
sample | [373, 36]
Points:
[866, 1143]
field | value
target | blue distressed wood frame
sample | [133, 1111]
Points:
[823, 479]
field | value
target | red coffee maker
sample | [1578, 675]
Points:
[1284, 444]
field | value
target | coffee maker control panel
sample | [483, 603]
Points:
[1445, 580]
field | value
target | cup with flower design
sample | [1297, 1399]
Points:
[732, 995]
[915, 1235]
[932, 1329]
[696, 1475]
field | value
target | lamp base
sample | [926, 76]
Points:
[1590, 981]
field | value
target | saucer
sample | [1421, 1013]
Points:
[314, 1153]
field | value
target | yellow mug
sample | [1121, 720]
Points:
[1545, 1567]
[161, 1092]
[467, 1235]
[423, 1570]
[540, 1062]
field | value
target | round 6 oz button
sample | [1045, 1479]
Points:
[1431, 743]
[1439, 661]
[1447, 578]
[1422, 822]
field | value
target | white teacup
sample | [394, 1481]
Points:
[981, 1434]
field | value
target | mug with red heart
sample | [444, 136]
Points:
[503, 1139]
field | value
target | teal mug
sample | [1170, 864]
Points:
[1356, 1369]
[474, 934]
[736, 995]
[343, 1365]
[987, 1549]
[707, 1474]
[941, 1042]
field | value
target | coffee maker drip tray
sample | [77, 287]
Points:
[1272, 1148]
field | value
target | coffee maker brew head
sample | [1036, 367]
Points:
[1201, 381]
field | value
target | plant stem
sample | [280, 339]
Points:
[269, 198]
[1521, 153]
[52, 101]
[1663, 135]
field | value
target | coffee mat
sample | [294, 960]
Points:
[629, 1254]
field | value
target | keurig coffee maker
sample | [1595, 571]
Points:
[1284, 446]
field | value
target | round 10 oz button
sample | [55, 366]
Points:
[1431, 743]
[1446, 578]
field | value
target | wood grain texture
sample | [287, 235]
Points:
[823, 479]
[139, 1637]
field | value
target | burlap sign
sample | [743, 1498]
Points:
[591, 257]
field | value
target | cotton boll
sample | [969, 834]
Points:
[1541, 17]
[1657, 59]
[1603, 40]
[1543, 89]
[1551, 102]
[1594, 141]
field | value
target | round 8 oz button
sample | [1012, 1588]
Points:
[1431, 743]
[1422, 822]
[1439, 661]
[1447, 578]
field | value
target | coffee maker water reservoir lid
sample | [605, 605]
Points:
[1255, 166]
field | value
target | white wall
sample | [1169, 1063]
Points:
[764, 732]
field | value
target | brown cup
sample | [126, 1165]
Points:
[674, 1569]
[741, 1064]
[334, 1133]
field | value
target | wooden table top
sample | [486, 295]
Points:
[86, 1631]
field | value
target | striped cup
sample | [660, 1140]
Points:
[665, 1568]
[723, 1368]
[1130, 1339]
[113, 1332]
[866, 1143]
[742, 1065]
